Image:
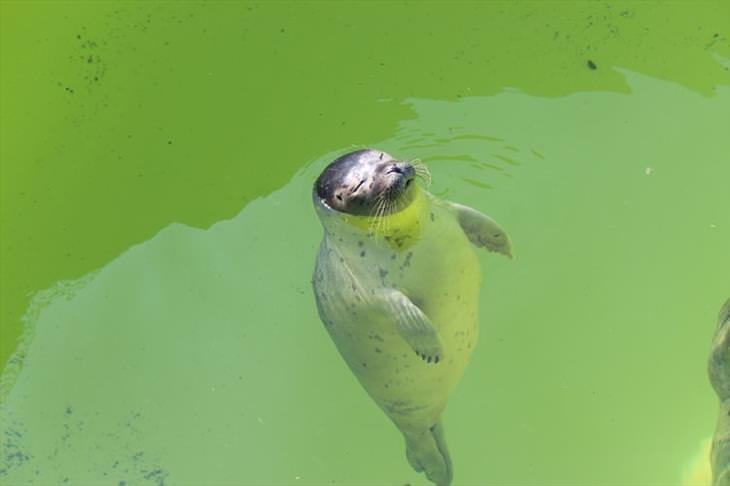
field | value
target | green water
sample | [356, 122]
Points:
[158, 240]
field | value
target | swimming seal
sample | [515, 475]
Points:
[396, 284]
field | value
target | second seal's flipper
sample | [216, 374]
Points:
[719, 362]
[413, 326]
[482, 230]
[719, 371]
[427, 452]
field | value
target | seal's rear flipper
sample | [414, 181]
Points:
[482, 230]
[427, 452]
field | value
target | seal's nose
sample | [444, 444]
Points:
[402, 168]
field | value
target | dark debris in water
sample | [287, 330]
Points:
[591, 65]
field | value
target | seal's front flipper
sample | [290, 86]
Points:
[413, 326]
[482, 230]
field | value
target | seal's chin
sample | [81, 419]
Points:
[398, 195]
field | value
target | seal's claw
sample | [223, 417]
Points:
[429, 357]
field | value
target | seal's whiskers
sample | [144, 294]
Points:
[422, 171]
[376, 215]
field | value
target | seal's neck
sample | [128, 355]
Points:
[398, 230]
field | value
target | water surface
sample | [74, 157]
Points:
[179, 341]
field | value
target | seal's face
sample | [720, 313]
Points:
[366, 183]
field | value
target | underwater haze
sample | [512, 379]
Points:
[158, 239]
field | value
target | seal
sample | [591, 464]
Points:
[396, 283]
[718, 368]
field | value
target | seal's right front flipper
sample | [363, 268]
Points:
[482, 230]
[413, 326]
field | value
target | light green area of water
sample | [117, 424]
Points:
[196, 356]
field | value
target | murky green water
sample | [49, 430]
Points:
[157, 234]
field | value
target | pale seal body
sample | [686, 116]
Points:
[397, 290]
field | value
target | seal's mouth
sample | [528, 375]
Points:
[397, 192]
[400, 177]
[399, 184]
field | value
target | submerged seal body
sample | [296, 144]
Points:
[396, 284]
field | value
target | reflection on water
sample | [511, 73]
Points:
[198, 357]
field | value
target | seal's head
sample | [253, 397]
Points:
[366, 183]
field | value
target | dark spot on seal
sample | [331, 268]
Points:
[360, 243]
[400, 240]
[407, 261]
[377, 350]
[433, 217]
[383, 273]
[591, 65]
[364, 364]
[362, 253]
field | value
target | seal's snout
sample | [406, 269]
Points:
[404, 172]
[403, 168]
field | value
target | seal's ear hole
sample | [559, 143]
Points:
[338, 196]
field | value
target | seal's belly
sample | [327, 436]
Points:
[441, 276]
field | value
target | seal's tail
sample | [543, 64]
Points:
[427, 452]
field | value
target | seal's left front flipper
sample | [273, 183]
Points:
[413, 326]
[482, 230]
